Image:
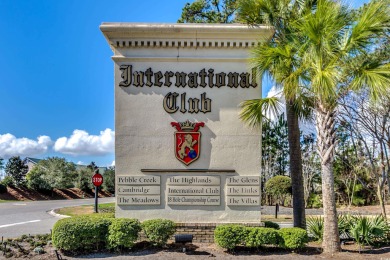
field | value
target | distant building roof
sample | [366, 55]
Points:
[80, 166]
[33, 160]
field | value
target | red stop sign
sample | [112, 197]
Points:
[97, 179]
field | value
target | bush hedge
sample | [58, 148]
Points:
[158, 231]
[81, 233]
[229, 236]
[259, 236]
[293, 238]
[270, 224]
[122, 233]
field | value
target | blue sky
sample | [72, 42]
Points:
[56, 75]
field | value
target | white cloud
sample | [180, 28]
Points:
[12, 146]
[113, 163]
[82, 143]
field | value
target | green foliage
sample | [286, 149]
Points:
[314, 201]
[364, 230]
[293, 238]
[344, 223]
[109, 180]
[270, 224]
[229, 236]
[158, 231]
[315, 227]
[259, 236]
[274, 147]
[368, 231]
[84, 179]
[57, 172]
[36, 180]
[1, 163]
[7, 181]
[278, 186]
[122, 233]
[3, 188]
[81, 233]
[208, 11]
[16, 169]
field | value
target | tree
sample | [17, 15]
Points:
[209, 11]
[278, 187]
[57, 172]
[311, 166]
[84, 180]
[1, 164]
[368, 124]
[37, 180]
[109, 180]
[278, 59]
[16, 169]
[92, 166]
[274, 148]
[337, 46]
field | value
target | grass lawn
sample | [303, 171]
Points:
[86, 209]
[281, 218]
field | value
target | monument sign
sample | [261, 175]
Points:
[181, 150]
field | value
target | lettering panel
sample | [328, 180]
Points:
[242, 190]
[243, 180]
[243, 201]
[189, 190]
[138, 180]
[139, 200]
[132, 190]
[194, 200]
[194, 180]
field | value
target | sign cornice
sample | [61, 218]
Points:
[136, 35]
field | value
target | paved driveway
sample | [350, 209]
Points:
[32, 217]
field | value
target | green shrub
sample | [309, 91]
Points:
[315, 227]
[81, 233]
[368, 231]
[293, 238]
[344, 224]
[8, 181]
[36, 181]
[3, 188]
[229, 236]
[122, 233]
[314, 201]
[109, 180]
[258, 236]
[158, 231]
[270, 224]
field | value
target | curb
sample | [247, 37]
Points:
[53, 213]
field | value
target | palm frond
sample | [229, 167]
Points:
[255, 111]
[374, 76]
[372, 21]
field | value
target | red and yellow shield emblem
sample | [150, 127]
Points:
[187, 141]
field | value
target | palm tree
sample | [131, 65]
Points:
[279, 59]
[333, 40]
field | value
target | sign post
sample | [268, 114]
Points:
[97, 180]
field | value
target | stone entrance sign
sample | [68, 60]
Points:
[181, 150]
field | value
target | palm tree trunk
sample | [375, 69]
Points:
[298, 191]
[325, 123]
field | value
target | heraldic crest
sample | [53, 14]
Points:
[187, 141]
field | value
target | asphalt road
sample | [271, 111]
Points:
[32, 217]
